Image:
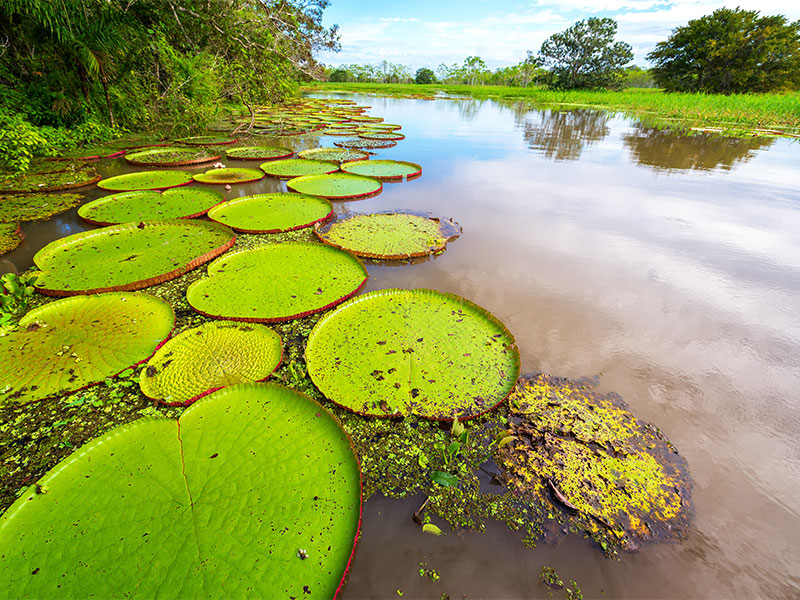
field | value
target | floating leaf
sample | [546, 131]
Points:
[277, 282]
[422, 352]
[71, 343]
[33, 207]
[381, 135]
[389, 235]
[207, 140]
[10, 236]
[229, 175]
[88, 153]
[145, 180]
[272, 213]
[217, 504]
[297, 167]
[48, 182]
[444, 479]
[209, 357]
[337, 186]
[171, 157]
[366, 144]
[259, 153]
[385, 170]
[337, 155]
[130, 256]
[430, 527]
[177, 203]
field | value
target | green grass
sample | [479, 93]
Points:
[738, 111]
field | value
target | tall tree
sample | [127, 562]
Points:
[728, 51]
[586, 56]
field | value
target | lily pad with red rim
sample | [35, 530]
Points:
[72, 343]
[145, 180]
[380, 135]
[145, 205]
[231, 500]
[130, 256]
[366, 144]
[278, 282]
[10, 237]
[420, 352]
[385, 170]
[33, 207]
[337, 155]
[297, 167]
[336, 186]
[229, 175]
[207, 140]
[272, 213]
[259, 153]
[89, 153]
[171, 157]
[48, 182]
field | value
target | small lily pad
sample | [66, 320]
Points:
[10, 236]
[208, 140]
[171, 157]
[210, 357]
[145, 180]
[337, 155]
[380, 135]
[229, 175]
[48, 182]
[366, 144]
[259, 153]
[33, 207]
[272, 213]
[146, 205]
[297, 167]
[337, 186]
[385, 170]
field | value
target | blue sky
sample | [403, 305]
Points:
[425, 33]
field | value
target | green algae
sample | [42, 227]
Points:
[33, 207]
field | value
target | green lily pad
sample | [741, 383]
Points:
[366, 144]
[337, 155]
[48, 182]
[388, 236]
[259, 153]
[10, 237]
[171, 157]
[72, 343]
[229, 175]
[338, 132]
[337, 186]
[420, 352]
[145, 205]
[297, 167]
[145, 180]
[207, 140]
[33, 207]
[253, 492]
[380, 135]
[385, 170]
[130, 256]
[272, 213]
[210, 357]
[278, 282]
[89, 153]
[47, 166]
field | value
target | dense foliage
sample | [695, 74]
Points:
[730, 51]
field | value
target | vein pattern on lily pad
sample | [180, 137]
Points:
[272, 213]
[145, 205]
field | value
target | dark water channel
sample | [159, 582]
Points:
[667, 265]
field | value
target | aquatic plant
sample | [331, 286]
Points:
[421, 352]
[71, 343]
[259, 153]
[222, 176]
[175, 203]
[48, 182]
[385, 170]
[336, 186]
[88, 153]
[381, 135]
[272, 213]
[33, 207]
[337, 155]
[297, 167]
[366, 144]
[207, 140]
[171, 157]
[16, 292]
[10, 235]
[246, 507]
[145, 180]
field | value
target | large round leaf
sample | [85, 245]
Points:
[337, 186]
[366, 144]
[177, 203]
[277, 282]
[296, 167]
[259, 153]
[209, 357]
[272, 213]
[229, 175]
[145, 180]
[418, 352]
[171, 157]
[32, 207]
[337, 155]
[385, 170]
[48, 182]
[71, 343]
[381, 135]
[130, 256]
[254, 492]
[207, 140]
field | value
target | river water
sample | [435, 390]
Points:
[668, 266]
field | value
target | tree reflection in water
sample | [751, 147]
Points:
[563, 134]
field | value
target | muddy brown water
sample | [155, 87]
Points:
[669, 266]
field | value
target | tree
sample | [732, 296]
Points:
[474, 70]
[424, 75]
[338, 75]
[730, 51]
[585, 55]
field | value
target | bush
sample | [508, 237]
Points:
[19, 141]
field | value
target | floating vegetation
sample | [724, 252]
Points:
[297, 167]
[171, 157]
[206, 358]
[385, 170]
[130, 256]
[146, 180]
[278, 282]
[251, 480]
[588, 455]
[336, 186]
[48, 182]
[69, 344]
[207, 140]
[259, 153]
[389, 235]
[145, 205]
[33, 207]
[272, 213]
[89, 153]
[229, 175]
[421, 352]
[10, 235]
[47, 166]
[366, 144]
[337, 155]
[381, 135]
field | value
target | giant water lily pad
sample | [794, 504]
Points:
[337, 155]
[130, 256]
[388, 236]
[297, 167]
[272, 213]
[177, 203]
[208, 140]
[71, 343]
[278, 282]
[259, 153]
[209, 357]
[88, 153]
[421, 352]
[381, 135]
[171, 157]
[146, 180]
[48, 182]
[336, 186]
[587, 454]
[33, 207]
[253, 492]
[385, 170]
[229, 175]
[366, 144]
[10, 237]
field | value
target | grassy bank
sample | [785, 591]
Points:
[779, 111]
